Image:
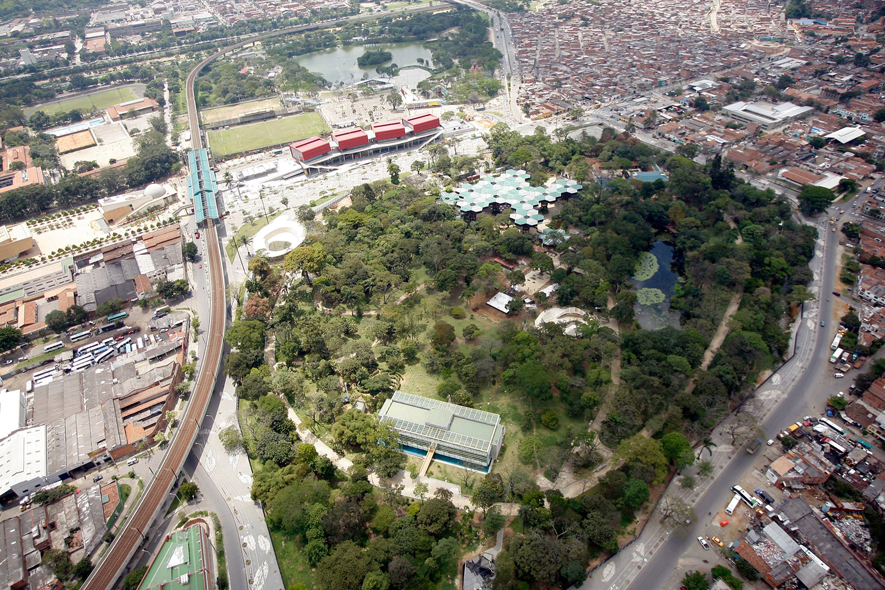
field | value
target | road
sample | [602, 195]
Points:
[799, 387]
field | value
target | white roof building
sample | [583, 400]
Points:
[501, 302]
[846, 134]
[765, 114]
[13, 411]
[22, 457]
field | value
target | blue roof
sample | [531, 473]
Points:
[201, 185]
[650, 176]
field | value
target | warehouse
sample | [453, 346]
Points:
[455, 434]
[420, 123]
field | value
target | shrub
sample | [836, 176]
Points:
[550, 419]
[458, 313]
[529, 449]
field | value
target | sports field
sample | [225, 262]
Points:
[244, 138]
[233, 111]
[87, 103]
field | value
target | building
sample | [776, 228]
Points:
[765, 114]
[183, 561]
[350, 138]
[388, 130]
[15, 240]
[117, 208]
[463, 436]
[774, 554]
[13, 180]
[811, 527]
[132, 108]
[421, 123]
[85, 419]
[871, 284]
[310, 148]
[804, 465]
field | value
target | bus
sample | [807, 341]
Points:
[104, 356]
[82, 365]
[836, 342]
[118, 316]
[864, 444]
[745, 497]
[88, 348]
[831, 425]
[729, 510]
[836, 447]
[123, 343]
[54, 346]
[110, 327]
[80, 336]
[164, 309]
[44, 373]
[836, 355]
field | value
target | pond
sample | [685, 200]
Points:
[655, 289]
[338, 65]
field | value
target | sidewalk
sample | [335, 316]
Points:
[402, 478]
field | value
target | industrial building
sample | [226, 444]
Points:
[465, 437]
[765, 114]
[85, 419]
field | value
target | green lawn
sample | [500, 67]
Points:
[89, 103]
[248, 230]
[293, 562]
[41, 358]
[243, 138]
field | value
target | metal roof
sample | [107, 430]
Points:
[468, 427]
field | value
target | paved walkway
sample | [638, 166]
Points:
[402, 478]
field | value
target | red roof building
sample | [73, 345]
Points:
[310, 148]
[421, 123]
[350, 138]
[388, 130]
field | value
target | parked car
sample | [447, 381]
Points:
[717, 541]
[822, 323]
[830, 412]
[770, 442]
[704, 543]
[838, 375]
[97, 478]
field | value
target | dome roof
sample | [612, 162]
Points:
[154, 191]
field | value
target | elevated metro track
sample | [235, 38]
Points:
[135, 530]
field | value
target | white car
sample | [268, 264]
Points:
[770, 442]
[704, 543]
[838, 375]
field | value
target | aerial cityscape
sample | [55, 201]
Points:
[456, 294]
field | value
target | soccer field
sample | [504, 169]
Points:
[87, 103]
[223, 113]
[244, 138]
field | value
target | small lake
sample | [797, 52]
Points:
[338, 65]
[658, 315]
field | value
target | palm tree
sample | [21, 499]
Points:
[707, 445]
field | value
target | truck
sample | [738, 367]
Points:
[729, 510]
[836, 355]
[751, 448]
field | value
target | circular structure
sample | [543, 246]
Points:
[569, 317]
[154, 191]
[279, 237]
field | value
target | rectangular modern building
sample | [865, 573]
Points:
[464, 436]
[765, 114]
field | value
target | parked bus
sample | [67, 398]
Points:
[865, 444]
[54, 346]
[836, 447]
[747, 498]
[118, 316]
[123, 342]
[836, 355]
[729, 510]
[836, 342]
[159, 310]
[80, 336]
[88, 348]
[110, 327]
[140, 343]
[831, 425]
[104, 356]
[39, 375]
